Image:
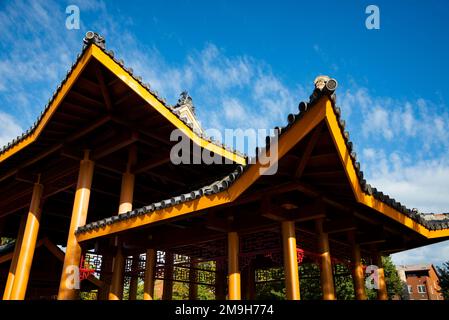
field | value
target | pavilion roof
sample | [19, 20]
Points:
[94, 45]
[322, 104]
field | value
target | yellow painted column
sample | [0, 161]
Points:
[134, 278]
[150, 272]
[327, 279]
[382, 293]
[126, 204]
[28, 245]
[290, 260]
[69, 285]
[233, 266]
[167, 291]
[15, 258]
[357, 272]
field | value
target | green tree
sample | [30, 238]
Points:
[309, 281]
[344, 285]
[443, 273]
[395, 286]
[273, 290]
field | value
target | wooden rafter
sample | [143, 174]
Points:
[308, 151]
[104, 89]
[148, 164]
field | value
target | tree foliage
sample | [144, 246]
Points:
[395, 286]
[443, 273]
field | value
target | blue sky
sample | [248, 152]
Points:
[248, 64]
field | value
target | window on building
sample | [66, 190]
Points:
[409, 289]
[421, 288]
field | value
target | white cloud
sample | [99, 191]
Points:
[378, 121]
[9, 128]
[422, 184]
[435, 254]
[405, 155]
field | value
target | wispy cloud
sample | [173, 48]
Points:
[436, 254]
[405, 154]
[9, 128]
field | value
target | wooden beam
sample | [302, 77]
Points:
[376, 235]
[165, 178]
[325, 174]
[148, 164]
[218, 224]
[324, 159]
[104, 89]
[115, 145]
[123, 98]
[340, 225]
[308, 151]
[304, 212]
[97, 123]
[82, 97]
[142, 129]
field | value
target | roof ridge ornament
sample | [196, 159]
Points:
[324, 85]
[185, 100]
[95, 38]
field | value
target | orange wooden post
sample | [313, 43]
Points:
[327, 279]
[69, 285]
[28, 245]
[357, 272]
[382, 293]
[150, 272]
[233, 266]
[126, 204]
[15, 258]
[290, 260]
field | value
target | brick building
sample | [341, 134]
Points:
[422, 282]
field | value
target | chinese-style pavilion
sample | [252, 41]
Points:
[90, 192]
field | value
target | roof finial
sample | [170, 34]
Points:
[323, 85]
[95, 38]
[185, 100]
